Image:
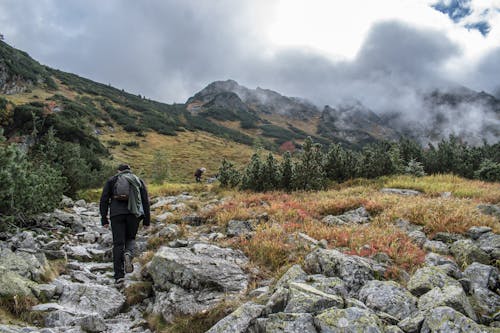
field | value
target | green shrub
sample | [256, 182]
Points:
[488, 171]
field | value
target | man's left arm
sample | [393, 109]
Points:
[145, 205]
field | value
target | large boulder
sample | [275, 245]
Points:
[451, 296]
[239, 320]
[353, 270]
[489, 242]
[29, 265]
[444, 263]
[350, 320]
[482, 275]
[466, 252]
[306, 299]
[445, 319]
[427, 278]
[484, 301]
[202, 266]
[90, 298]
[13, 284]
[284, 323]
[400, 191]
[388, 297]
[356, 216]
[294, 273]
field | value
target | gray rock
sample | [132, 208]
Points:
[91, 298]
[484, 301]
[194, 220]
[45, 292]
[24, 240]
[284, 323]
[445, 319]
[418, 237]
[329, 285]
[356, 216]
[437, 247]
[407, 226]
[179, 302]
[466, 252]
[178, 243]
[293, 274]
[483, 275]
[493, 210]
[389, 297]
[170, 231]
[28, 265]
[451, 296]
[399, 191]
[447, 237]
[78, 252]
[72, 221]
[489, 242]
[93, 323]
[353, 270]
[350, 320]
[278, 301]
[239, 320]
[13, 284]
[198, 267]
[476, 232]
[447, 265]
[163, 217]
[392, 329]
[237, 228]
[413, 323]
[427, 278]
[66, 202]
[259, 292]
[306, 299]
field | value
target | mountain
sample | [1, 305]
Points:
[224, 119]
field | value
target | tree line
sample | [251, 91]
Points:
[313, 168]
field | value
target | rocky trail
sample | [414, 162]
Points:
[457, 289]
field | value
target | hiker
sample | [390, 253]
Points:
[126, 196]
[198, 174]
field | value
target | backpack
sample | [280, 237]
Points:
[121, 188]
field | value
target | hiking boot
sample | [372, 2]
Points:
[119, 282]
[129, 267]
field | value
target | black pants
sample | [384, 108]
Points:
[124, 228]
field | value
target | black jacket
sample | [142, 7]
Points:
[120, 207]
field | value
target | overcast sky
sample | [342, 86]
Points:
[326, 51]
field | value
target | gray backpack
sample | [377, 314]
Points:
[121, 188]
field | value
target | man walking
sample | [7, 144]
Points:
[126, 197]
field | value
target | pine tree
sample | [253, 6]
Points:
[252, 178]
[228, 175]
[309, 173]
[270, 174]
[286, 172]
[415, 168]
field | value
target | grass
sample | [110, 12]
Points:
[275, 244]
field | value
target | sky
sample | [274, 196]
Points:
[382, 52]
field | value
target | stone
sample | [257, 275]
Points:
[194, 220]
[304, 298]
[93, 323]
[329, 285]
[66, 202]
[436, 247]
[427, 278]
[407, 226]
[444, 263]
[447, 237]
[418, 237]
[353, 270]
[356, 216]
[466, 252]
[199, 266]
[45, 292]
[24, 240]
[284, 323]
[398, 191]
[170, 231]
[389, 297]
[451, 296]
[163, 217]
[91, 298]
[78, 252]
[180, 302]
[484, 301]
[278, 301]
[259, 292]
[484, 276]
[236, 228]
[178, 243]
[13, 284]
[489, 209]
[445, 319]
[239, 320]
[392, 329]
[489, 242]
[72, 221]
[293, 274]
[350, 320]
[28, 265]
[476, 232]
[413, 323]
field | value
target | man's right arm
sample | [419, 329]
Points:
[104, 203]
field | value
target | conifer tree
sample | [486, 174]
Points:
[228, 175]
[309, 173]
[252, 178]
[270, 174]
[286, 172]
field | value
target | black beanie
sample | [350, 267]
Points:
[123, 167]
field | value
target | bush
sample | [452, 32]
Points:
[228, 175]
[488, 171]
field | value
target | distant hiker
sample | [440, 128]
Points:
[126, 196]
[198, 174]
